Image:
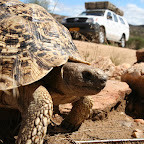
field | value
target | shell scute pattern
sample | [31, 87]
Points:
[31, 43]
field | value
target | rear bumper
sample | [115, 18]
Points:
[84, 28]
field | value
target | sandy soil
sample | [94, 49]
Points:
[118, 55]
[117, 125]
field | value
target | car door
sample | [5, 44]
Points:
[122, 25]
[109, 26]
[116, 28]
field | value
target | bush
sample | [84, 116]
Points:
[44, 3]
[135, 42]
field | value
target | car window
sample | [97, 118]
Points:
[109, 16]
[115, 18]
[121, 20]
[95, 13]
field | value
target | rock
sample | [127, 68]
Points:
[141, 121]
[105, 64]
[119, 71]
[140, 55]
[112, 95]
[137, 133]
[135, 106]
[134, 76]
[113, 72]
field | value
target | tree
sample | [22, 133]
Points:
[43, 3]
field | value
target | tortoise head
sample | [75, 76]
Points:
[76, 79]
[82, 79]
[71, 81]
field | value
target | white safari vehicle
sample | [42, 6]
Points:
[105, 24]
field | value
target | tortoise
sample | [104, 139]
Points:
[41, 67]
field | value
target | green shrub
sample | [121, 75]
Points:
[135, 42]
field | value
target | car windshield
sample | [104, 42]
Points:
[95, 13]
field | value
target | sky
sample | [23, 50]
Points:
[133, 9]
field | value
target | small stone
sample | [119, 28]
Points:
[28, 141]
[37, 121]
[141, 121]
[45, 121]
[137, 133]
[122, 113]
[34, 132]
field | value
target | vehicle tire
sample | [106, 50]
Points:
[101, 36]
[122, 42]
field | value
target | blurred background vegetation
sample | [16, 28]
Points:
[136, 40]
[43, 3]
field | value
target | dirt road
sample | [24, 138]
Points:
[118, 55]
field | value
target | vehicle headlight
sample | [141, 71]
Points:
[64, 20]
[89, 20]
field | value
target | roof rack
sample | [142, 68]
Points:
[103, 5]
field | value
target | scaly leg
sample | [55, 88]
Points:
[36, 118]
[79, 113]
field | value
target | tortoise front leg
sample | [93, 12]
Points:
[80, 112]
[36, 118]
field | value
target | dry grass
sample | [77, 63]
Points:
[118, 55]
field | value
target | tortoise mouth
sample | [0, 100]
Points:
[89, 90]
[98, 88]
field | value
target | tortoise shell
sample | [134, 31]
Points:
[32, 42]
